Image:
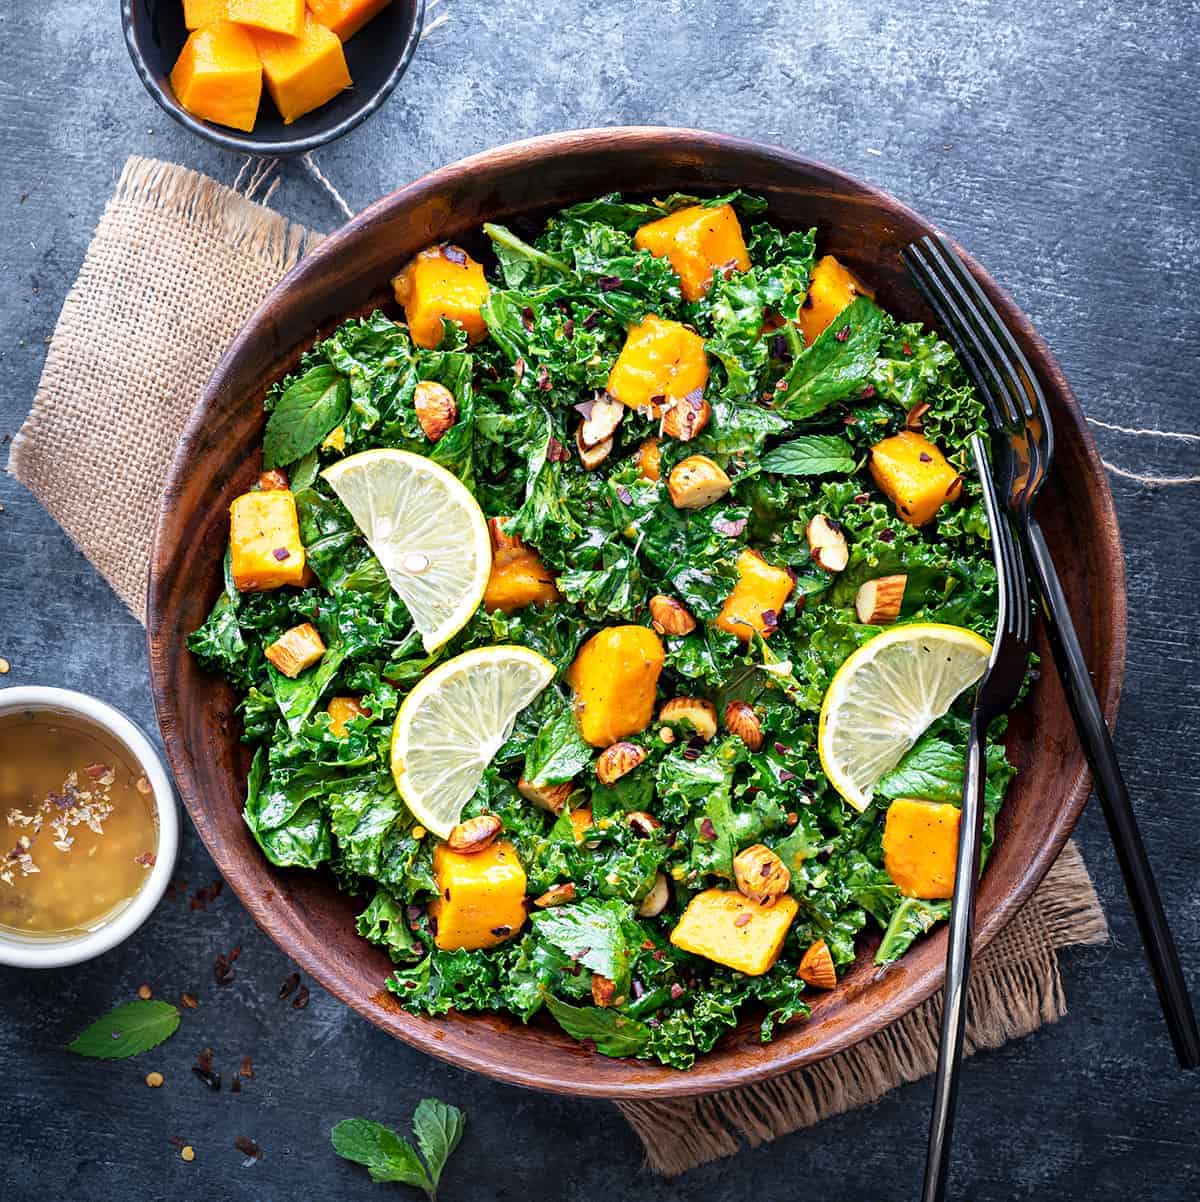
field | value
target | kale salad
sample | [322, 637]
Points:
[706, 487]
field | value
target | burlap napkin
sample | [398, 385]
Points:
[177, 263]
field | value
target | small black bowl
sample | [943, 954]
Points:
[377, 56]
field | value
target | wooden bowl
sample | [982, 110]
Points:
[218, 458]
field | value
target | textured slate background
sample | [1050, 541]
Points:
[1059, 142]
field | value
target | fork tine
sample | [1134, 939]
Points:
[996, 521]
[1035, 400]
[990, 349]
[931, 288]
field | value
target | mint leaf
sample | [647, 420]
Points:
[129, 1029]
[558, 754]
[438, 1128]
[613, 1033]
[838, 363]
[592, 933]
[387, 1157]
[306, 412]
[811, 455]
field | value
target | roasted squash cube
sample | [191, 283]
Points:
[581, 822]
[520, 581]
[759, 594]
[830, 290]
[304, 72]
[218, 77]
[481, 896]
[198, 13]
[920, 847]
[278, 16]
[697, 241]
[297, 649]
[264, 541]
[442, 282]
[342, 710]
[915, 475]
[346, 17]
[723, 926]
[660, 363]
[615, 676]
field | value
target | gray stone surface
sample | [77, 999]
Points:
[1057, 140]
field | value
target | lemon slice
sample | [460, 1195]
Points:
[453, 723]
[884, 697]
[426, 530]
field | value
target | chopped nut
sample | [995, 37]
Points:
[188, 1153]
[475, 834]
[601, 418]
[145, 992]
[274, 481]
[695, 482]
[545, 797]
[617, 760]
[504, 546]
[686, 417]
[296, 650]
[699, 714]
[642, 824]
[915, 416]
[666, 735]
[669, 616]
[556, 895]
[761, 875]
[741, 720]
[436, 408]
[827, 544]
[816, 967]
[655, 902]
[592, 457]
[154, 1080]
[187, 1001]
[603, 990]
[878, 601]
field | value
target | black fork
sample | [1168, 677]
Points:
[996, 693]
[1018, 410]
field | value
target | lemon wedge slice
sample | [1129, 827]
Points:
[884, 697]
[454, 721]
[426, 530]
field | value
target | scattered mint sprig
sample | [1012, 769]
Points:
[437, 1126]
[129, 1029]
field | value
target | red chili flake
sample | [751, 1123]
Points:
[609, 283]
[501, 931]
[868, 392]
[247, 1146]
[96, 771]
[519, 369]
[849, 420]
[281, 553]
[589, 322]
[926, 457]
[906, 349]
[544, 378]
[770, 619]
[187, 1001]
[527, 318]
[784, 777]
[861, 498]
[792, 818]
[781, 385]
[741, 920]
[223, 972]
[694, 748]
[887, 536]
[146, 860]
[647, 945]
[658, 955]
[289, 985]
[453, 254]
[556, 452]
[624, 495]
[246, 1069]
[842, 334]
[206, 894]
[782, 748]
[677, 990]
[301, 998]
[707, 830]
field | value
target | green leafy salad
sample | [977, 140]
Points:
[716, 475]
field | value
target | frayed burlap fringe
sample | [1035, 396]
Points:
[176, 265]
[1015, 988]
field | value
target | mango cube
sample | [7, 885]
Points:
[197, 13]
[342, 710]
[661, 361]
[302, 73]
[915, 475]
[759, 594]
[218, 77]
[296, 649]
[442, 282]
[346, 17]
[278, 16]
[581, 822]
[830, 290]
[481, 896]
[725, 927]
[698, 241]
[264, 541]
[520, 581]
[920, 847]
[615, 676]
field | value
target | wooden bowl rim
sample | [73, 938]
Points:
[710, 1074]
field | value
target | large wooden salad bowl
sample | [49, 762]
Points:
[218, 458]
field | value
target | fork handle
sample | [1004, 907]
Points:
[958, 966]
[1109, 784]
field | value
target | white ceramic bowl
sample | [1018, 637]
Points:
[49, 952]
